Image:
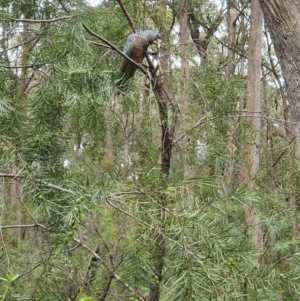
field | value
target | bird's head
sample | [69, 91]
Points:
[151, 36]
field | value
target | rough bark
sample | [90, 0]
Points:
[16, 196]
[253, 93]
[168, 124]
[251, 147]
[231, 30]
[283, 21]
[184, 96]
[232, 15]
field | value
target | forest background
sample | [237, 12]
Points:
[184, 187]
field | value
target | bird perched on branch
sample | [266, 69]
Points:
[135, 47]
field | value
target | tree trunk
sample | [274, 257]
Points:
[251, 147]
[232, 14]
[283, 21]
[253, 93]
[231, 30]
[184, 96]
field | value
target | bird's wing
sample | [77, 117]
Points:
[128, 50]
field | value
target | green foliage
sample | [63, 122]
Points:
[82, 175]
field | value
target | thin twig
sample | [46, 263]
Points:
[21, 44]
[16, 67]
[9, 32]
[42, 21]
[127, 15]
[9, 175]
[64, 7]
[126, 213]
[200, 121]
[109, 270]
[23, 226]
[101, 45]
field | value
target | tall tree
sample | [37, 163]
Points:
[283, 22]
[251, 146]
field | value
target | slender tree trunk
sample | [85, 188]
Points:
[243, 33]
[164, 59]
[251, 147]
[231, 30]
[184, 96]
[20, 96]
[283, 21]
[232, 14]
[108, 149]
[253, 93]
[168, 124]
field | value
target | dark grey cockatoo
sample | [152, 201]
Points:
[135, 47]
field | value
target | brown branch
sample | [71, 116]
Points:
[240, 12]
[9, 32]
[23, 226]
[15, 176]
[57, 187]
[200, 121]
[17, 67]
[5, 175]
[36, 266]
[127, 15]
[106, 288]
[42, 21]
[114, 48]
[125, 212]
[241, 54]
[64, 7]
[100, 45]
[110, 270]
[285, 257]
[282, 153]
[19, 45]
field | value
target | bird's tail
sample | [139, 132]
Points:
[122, 83]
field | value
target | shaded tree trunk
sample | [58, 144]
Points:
[253, 93]
[283, 21]
[231, 31]
[232, 14]
[184, 96]
[251, 147]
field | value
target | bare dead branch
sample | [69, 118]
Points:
[36, 266]
[125, 212]
[199, 122]
[9, 32]
[15, 176]
[100, 45]
[5, 175]
[241, 54]
[16, 67]
[240, 12]
[23, 226]
[19, 45]
[106, 288]
[42, 21]
[58, 187]
[63, 6]
[127, 15]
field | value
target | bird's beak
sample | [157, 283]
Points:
[157, 42]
